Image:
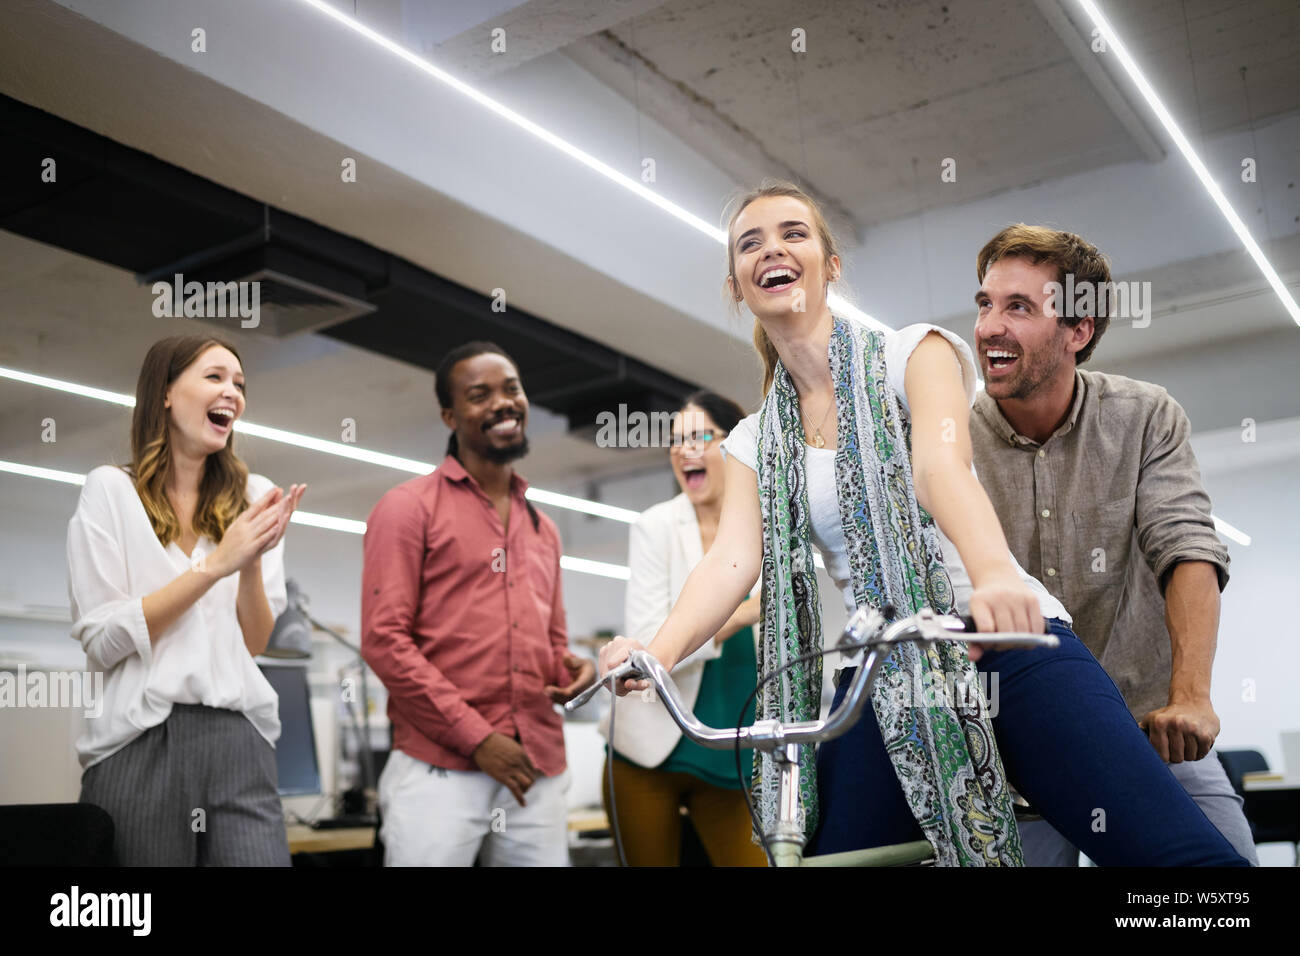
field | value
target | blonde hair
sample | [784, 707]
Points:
[223, 487]
[767, 188]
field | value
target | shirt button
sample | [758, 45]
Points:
[1047, 513]
[1042, 454]
[1051, 572]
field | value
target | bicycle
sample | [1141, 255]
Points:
[869, 630]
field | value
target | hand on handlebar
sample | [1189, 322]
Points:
[1004, 604]
[615, 653]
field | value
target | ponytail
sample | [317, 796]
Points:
[767, 355]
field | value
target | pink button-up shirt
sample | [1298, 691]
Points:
[463, 619]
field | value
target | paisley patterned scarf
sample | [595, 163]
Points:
[945, 759]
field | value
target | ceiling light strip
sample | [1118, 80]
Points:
[315, 520]
[1229, 532]
[582, 504]
[352, 526]
[328, 522]
[339, 449]
[49, 474]
[541, 496]
[85, 391]
[1193, 160]
[600, 568]
[527, 125]
[836, 302]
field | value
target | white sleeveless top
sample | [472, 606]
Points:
[823, 496]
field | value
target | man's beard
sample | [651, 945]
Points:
[1028, 381]
[503, 456]
[1031, 377]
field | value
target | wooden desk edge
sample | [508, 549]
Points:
[303, 839]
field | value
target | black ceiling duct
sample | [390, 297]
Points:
[123, 207]
[293, 293]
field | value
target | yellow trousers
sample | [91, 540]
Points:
[650, 821]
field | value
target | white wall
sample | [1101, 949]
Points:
[1256, 688]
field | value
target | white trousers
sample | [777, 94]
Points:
[437, 817]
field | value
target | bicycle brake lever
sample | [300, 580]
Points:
[863, 624]
[619, 672]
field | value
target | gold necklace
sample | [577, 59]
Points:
[817, 440]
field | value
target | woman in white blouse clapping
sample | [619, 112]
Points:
[176, 577]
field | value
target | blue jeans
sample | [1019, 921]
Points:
[1069, 746]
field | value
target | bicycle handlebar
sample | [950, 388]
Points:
[866, 629]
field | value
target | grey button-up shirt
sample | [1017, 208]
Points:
[1100, 513]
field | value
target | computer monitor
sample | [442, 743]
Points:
[295, 751]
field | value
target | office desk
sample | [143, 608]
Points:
[303, 839]
[1273, 805]
[1251, 782]
[587, 820]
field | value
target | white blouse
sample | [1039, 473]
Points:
[114, 560]
[823, 496]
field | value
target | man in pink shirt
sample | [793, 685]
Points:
[462, 618]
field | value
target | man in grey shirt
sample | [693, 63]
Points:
[1099, 494]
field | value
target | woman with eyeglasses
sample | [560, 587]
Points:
[656, 770]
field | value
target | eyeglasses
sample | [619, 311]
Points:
[701, 439]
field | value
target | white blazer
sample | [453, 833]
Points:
[663, 548]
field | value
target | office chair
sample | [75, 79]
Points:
[1272, 814]
[56, 834]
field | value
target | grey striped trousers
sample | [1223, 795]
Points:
[196, 790]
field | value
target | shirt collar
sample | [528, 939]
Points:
[988, 407]
[1076, 406]
[453, 470]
